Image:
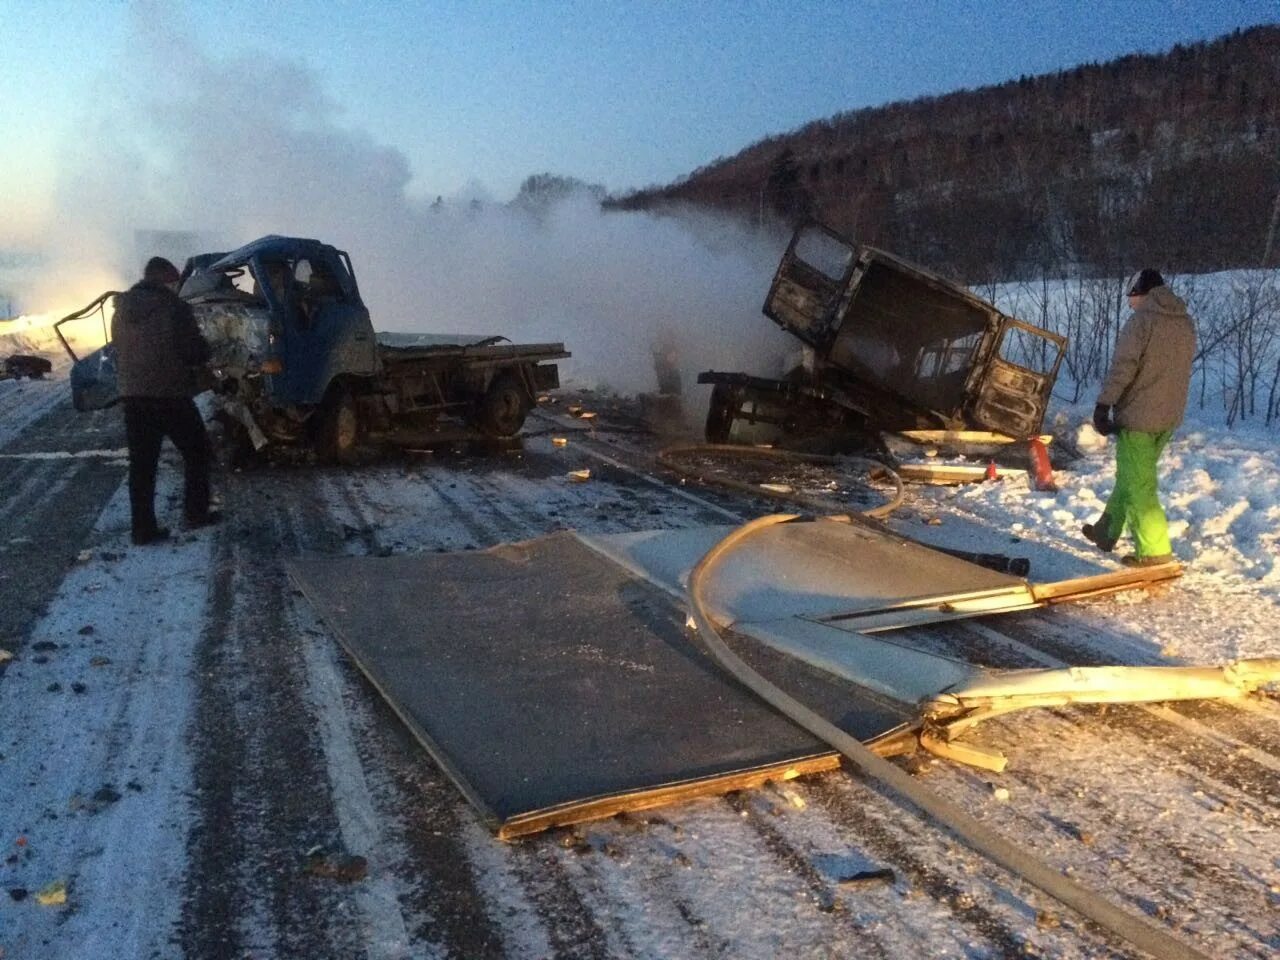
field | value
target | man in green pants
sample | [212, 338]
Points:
[1142, 401]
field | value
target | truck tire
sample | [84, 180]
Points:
[339, 432]
[503, 408]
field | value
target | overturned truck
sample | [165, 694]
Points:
[890, 347]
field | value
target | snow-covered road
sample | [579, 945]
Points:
[178, 732]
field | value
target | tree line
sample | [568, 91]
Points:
[1170, 160]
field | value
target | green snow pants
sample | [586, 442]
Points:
[1135, 502]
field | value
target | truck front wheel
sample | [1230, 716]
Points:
[503, 408]
[339, 427]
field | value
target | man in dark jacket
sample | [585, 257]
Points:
[159, 350]
[1142, 401]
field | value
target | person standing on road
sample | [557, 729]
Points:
[158, 351]
[1142, 401]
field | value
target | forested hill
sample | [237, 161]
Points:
[1169, 159]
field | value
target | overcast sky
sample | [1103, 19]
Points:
[623, 94]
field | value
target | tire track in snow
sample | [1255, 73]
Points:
[263, 797]
[896, 839]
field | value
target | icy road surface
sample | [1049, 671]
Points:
[182, 742]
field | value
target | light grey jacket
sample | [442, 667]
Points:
[1151, 371]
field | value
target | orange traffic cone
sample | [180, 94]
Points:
[992, 474]
[1041, 469]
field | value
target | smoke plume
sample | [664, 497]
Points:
[234, 148]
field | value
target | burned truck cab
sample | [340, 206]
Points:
[894, 347]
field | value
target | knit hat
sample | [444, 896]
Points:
[160, 270]
[1144, 281]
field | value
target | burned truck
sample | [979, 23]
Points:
[296, 361]
[890, 347]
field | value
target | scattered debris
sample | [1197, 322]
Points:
[5, 655]
[25, 365]
[44, 646]
[78, 687]
[794, 798]
[865, 878]
[344, 868]
[106, 794]
[560, 441]
[579, 476]
[86, 630]
[99, 661]
[1046, 920]
[17, 894]
[53, 895]
[84, 556]
[573, 840]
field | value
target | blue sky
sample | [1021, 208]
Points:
[624, 94]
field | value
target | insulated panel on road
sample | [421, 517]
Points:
[822, 570]
[554, 686]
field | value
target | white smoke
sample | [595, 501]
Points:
[234, 148]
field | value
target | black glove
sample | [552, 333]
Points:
[1102, 420]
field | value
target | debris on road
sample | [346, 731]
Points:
[106, 794]
[344, 868]
[53, 895]
[866, 878]
[21, 365]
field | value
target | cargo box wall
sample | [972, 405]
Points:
[911, 338]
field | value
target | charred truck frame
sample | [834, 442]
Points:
[893, 347]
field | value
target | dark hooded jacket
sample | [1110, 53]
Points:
[1151, 371]
[159, 348]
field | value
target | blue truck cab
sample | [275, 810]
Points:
[317, 328]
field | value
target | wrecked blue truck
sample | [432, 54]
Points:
[296, 361]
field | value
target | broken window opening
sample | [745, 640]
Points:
[824, 253]
[1028, 350]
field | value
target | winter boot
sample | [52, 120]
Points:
[1133, 560]
[1094, 533]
